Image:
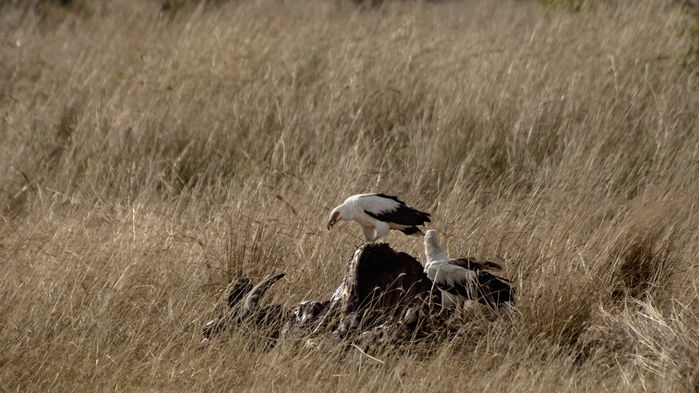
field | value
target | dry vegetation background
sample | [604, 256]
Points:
[150, 156]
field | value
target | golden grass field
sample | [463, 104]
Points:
[150, 157]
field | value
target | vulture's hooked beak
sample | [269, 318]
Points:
[333, 219]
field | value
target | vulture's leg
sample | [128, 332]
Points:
[369, 233]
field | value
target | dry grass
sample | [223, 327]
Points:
[149, 158]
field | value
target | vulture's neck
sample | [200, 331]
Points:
[433, 251]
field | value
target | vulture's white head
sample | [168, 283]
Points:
[433, 251]
[336, 215]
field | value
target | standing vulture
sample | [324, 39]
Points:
[378, 214]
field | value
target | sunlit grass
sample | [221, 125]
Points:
[150, 157]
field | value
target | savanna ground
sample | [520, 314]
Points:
[151, 156]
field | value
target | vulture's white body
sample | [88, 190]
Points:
[464, 280]
[445, 275]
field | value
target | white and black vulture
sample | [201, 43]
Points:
[464, 279]
[378, 214]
